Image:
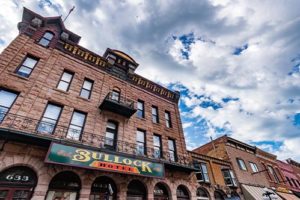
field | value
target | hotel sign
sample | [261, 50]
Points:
[79, 157]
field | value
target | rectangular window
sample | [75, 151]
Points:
[140, 109]
[168, 119]
[46, 39]
[287, 178]
[76, 125]
[229, 177]
[65, 81]
[272, 172]
[241, 164]
[110, 135]
[294, 182]
[27, 66]
[202, 173]
[140, 142]
[86, 88]
[115, 95]
[172, 150]
[49, 119]
[155, 114]
[253, 167]
[157, 146]
[7, 99]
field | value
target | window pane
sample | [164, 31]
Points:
[157, 152]
[140, 136]
[87, 85]
[44, 42]
[156, 140]
[63, 86]
[242, 164]
[140, 105]
[24, 71]
[111, 125]
[154, 110]
[115, 96]
[167, 116]
[171, 145]
[78, 119]
[199, 176]
[7, 98]
[204, 168]
[74, 132]
[140, 148]
[30, 62]
[52, 111]
[110, 135]
[67, 77]
[48, 35]
[85, 93]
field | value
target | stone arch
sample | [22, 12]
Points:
[202, 193]
[166, 190]
[182, 192]
[137, 189]
[105, 187]
[219, 195]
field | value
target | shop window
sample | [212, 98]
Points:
[241, 164]
[172, 150]
[49, 119]
[219, 195]
[253, 167]
[154, 111]
[202, 194]
[157, 146]
[7, 99]
[17, 183]
[65, 81]
[76, 125]
[140, 142]
[161, 192]
[103, 188]
[140, 109]
[46, 39]
[86, 89]
[182, 193]
[202, 172]
[64, 185]
[229, 177]
[27, 66]
[111, 135]
[168, 119]
[136, 191]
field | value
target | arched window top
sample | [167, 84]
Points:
[65, 180]
[160, 190]
[117, 89]
[104, 185]
[18, 176]
[46, 39]
[182, 192]
[136, 187]
[202, 193]
[219, 195]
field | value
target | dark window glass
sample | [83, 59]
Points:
[294, 182]
[7, 99]
[289, 181]
[168, 119]
[140, 109]
[86, 89]
[157, 146]
[110, 135]
[202, 194]
[155, 114]
[202, 172]
[46, 39]
[27, 66]
[229, 177]
[241, 164]
[65, 81]
[76, 125]
[140, 142]
[172, 150]
[49, 119]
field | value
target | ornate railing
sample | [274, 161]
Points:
[25, 125]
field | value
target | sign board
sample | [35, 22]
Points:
[85, 158]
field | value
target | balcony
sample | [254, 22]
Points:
[119, 105]
[32, 131]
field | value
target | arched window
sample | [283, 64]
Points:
[46, 39]
[136, 191]
[17, 183]
[103, 188]
[202, 194]
[182, 193]
[64, 185]
[219, 195]
[161, 192]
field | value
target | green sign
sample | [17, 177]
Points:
[69, 155]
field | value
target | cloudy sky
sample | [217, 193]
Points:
[236, 63]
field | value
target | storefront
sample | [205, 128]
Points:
[202, 194]
[161, 192]
[182, 193]
[254, 192]
[103, 188]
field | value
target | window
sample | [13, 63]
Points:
[201, 173]
[115, 95]
[140, 142]
[272, 172]
[157, 146]
[291, 184]
[46, 39]
[253, 167]
[110, 135]
[140, 109]
[49, 119]
[86, 88]
[65, 81]
[7, 99]
[76, 125]
[27, 66]
[294, 182]
[155, 114]
[168, 119]
[241, 164]
[172, 150]
[229, 177]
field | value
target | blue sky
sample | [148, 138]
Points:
[236, 63]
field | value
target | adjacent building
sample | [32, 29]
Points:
[78, 125]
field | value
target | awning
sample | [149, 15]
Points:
[296, 193]
[256, 193]
[287, 196]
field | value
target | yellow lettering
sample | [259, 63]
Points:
[145, 167]
[97, 156]
[117, 159]
[106, 158]
[82, 155]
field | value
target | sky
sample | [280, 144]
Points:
[236, 63]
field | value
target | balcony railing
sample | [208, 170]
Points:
[119, 105]
[33, 127]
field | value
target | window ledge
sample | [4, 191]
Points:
[143, 119]
[59, 90]
[19, 76]
[85, 99]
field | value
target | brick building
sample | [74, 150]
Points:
[245, 164]
[215, 177]
[296, 169]
[77, 125]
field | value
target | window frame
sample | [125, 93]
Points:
[115, 132]
[82, 88]
[273, 173]
[8, 109]
[139, 142]
[60, 79]
[155, 116]
[21, 65]
[44, 38]
[169, 120]
[241, 168]
[83, 125]
[159, 147]
[174, 151]
[252, 164]
[116, 92]
[141, 110]
[232, 179]
[201, 171]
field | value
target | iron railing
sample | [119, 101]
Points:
[120, 100]
[30, 126]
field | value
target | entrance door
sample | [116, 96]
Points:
[136, 191]
[103, 188]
